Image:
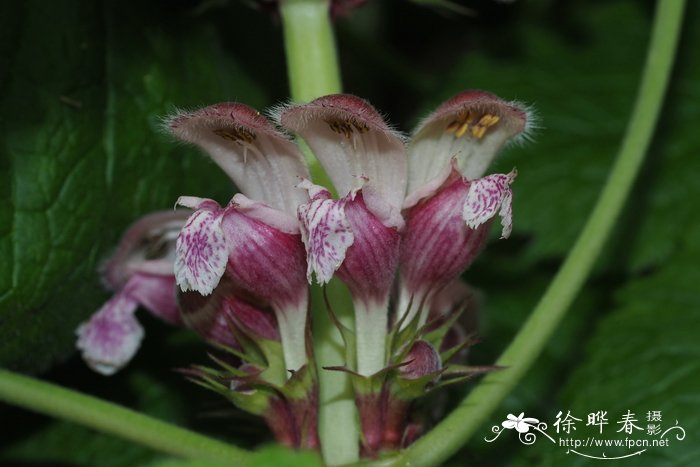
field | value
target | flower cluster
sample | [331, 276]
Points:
[409, 217]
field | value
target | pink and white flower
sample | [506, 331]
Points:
[140, 273]
[255, 241]
[409, 218]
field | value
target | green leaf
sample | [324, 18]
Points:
[645, 357]
[84, 87]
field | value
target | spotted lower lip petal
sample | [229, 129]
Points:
[201, 248]
[325, 231]
[488, 197]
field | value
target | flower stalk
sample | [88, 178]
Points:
[50, 399]
[313, 71]
[312, 62]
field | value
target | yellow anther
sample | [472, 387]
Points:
[462, 129]
[489, 120]
[479, 131]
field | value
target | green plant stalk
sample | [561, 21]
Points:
[50, 399]
[338, 420]
[460, 425]
[312, 66]
[312, 63]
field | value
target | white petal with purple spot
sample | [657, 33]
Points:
[487, 197]
[201, 252]
[326, 233]
[112, 335]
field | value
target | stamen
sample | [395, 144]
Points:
[473, 124]
[236, 135]
[462, 129]
[347, 127]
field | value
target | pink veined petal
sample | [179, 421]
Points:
[156, 293]
[274, 218]
[369, 266]
[421, 360]
[263, 163]
[326, 233]
[264, 261]
[353, 143]
[111, 337]
[201, 251]
[437, 246]
[470, 127]
[213, 316]
[206, 314]
[487, 197]
[253, 321]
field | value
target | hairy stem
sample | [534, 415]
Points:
[460, 425]
[50, 399]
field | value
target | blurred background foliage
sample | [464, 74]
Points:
[83, 85]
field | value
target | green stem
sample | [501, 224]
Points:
[457, 428]
[50, 399]
[313, 71]
[309, 44]
[312, 64]
[337, 420]
[371, 335]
